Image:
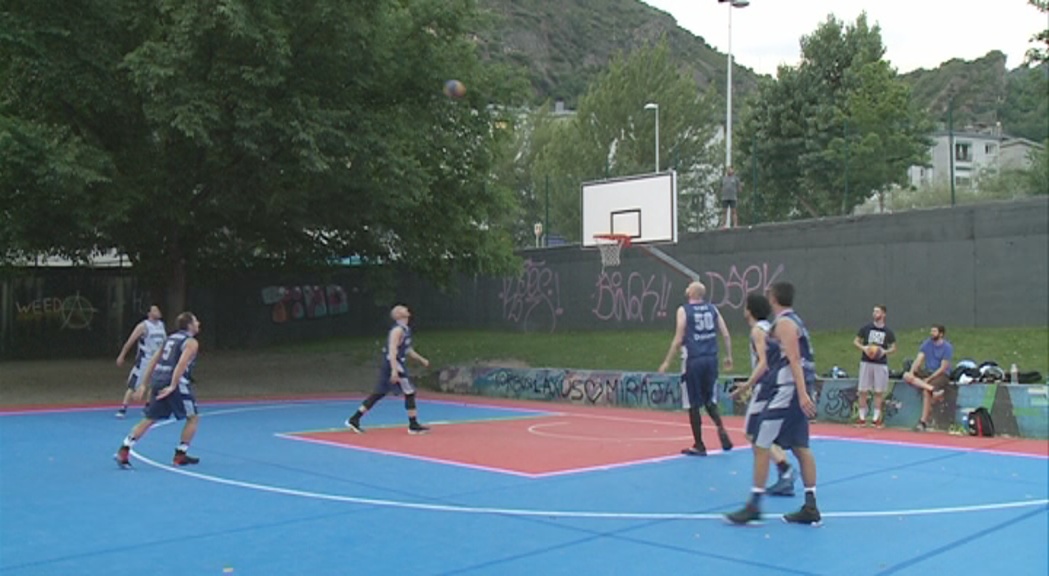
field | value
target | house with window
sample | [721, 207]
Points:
[972, 152]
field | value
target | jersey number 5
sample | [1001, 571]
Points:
[168, 347]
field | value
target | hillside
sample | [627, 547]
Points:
[986, 92]
[565, 43]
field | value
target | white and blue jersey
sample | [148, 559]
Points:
[757, 399]
[701, 353]
[149, 342]
[383, 386]
[169, 358]
[701, 330]
[782, 369]
[180, 403]
[782, 421]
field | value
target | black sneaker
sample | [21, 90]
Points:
[726, 443]
[183, 459]
[745, 515]
[354, 424]
[418, 429]
[696, 450]
[123, 457]
[121, 413]
[921, 427]
[808, 514]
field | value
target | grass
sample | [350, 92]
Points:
[643, 351]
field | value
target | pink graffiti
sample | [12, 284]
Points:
[533, 299]
[638, 299]
[731, 290]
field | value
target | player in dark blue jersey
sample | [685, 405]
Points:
[756, 312]
[785, 418]
[171, 392]
[393, 373]
[698, 325]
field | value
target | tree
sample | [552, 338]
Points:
[200, 137]
[1040, 54]
[823, 137]
[613, 135]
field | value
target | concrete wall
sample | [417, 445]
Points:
[1021, 411]
[985, 265]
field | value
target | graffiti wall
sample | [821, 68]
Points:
[1016, 410]
[965, 266]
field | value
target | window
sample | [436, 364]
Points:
[990, 149]
[962, 181]
[963, 152]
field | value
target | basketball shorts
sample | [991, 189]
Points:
[754, 408]
[782, 422]
[701, 376]
[384, 386]
[180, 404]
[873, 377]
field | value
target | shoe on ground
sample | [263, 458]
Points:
[418, 429]
[745, 515]
[354, 424]
[808, 514]
[123, 457]
[860, 422]
[183, 459]
[783, 487]
[121, 413]
[699, 450]
[880, 422]
[726, 442]
[921, 427]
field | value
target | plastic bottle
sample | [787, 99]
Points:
[1014, 374]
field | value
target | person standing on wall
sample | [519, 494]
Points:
[730, 187]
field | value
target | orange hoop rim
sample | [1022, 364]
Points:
[621, 239]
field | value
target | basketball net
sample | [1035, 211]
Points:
[610, 246]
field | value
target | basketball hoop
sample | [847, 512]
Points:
[610, 245]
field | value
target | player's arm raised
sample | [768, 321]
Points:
[675, 343]
[135, 335]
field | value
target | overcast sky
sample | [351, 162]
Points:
[916, 33]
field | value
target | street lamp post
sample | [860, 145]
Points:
[728, 106]
[654, 106]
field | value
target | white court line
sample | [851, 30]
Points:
[524, 512]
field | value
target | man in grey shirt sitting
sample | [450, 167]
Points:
[729, 196]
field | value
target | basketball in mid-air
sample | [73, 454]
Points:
[454, 89]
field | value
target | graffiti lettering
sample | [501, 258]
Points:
[301, 302]
[638, 299]
[74, 312]
[532, 300]
[576, 386]
[731, 289]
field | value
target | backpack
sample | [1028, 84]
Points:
[980, 423]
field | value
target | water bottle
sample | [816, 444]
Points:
[1014, 374]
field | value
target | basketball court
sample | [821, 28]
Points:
[503, 487]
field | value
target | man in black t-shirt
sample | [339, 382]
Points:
[875, 342]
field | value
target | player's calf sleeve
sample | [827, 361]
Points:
[409, 401]
[712, 411]
[371, 400]
[696, 421]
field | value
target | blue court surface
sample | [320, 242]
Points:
[261, 503]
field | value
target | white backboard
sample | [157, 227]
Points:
[643, 207]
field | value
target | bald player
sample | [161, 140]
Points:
[698, 325]
[393, 373]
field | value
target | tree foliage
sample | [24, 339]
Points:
[1040, 54]
[826, 135]
[202, 136]
[612, 134]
